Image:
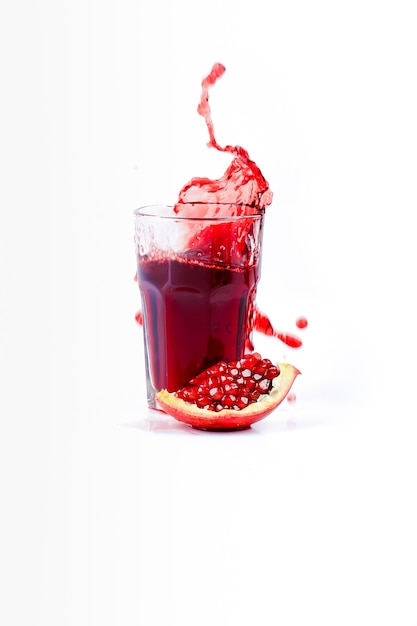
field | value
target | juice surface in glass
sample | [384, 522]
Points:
[197, 302]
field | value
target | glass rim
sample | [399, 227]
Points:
[151, 211]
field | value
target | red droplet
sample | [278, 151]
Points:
[301, 322]
[139, 318]
[262, 324]
[291, 397]
[290, 340]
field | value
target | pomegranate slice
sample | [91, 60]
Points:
[230, 396]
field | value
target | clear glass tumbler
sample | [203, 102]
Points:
[197, 279]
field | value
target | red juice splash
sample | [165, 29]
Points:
[241, 190]
[262, 324]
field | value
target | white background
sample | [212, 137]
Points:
[109, 515]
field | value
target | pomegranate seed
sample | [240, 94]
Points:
[216, 393]
[259, 368]
[263, 385]
[203, 403]
[249, 360]
[250, 384]
[242, 402]
[271, 372]
[231, 388]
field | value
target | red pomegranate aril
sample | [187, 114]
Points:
[242, 402]
[263, 385]
[249, 360]
[203, 403]
[245, 391]
[189, 394]
[250, 384]
[259, 368]
[271, 372]
[220, 368]
[230, 388]
[216, 393]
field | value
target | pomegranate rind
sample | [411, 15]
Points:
[230, 419]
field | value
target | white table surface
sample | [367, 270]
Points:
[113, 514]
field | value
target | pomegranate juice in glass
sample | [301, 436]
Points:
[197, 278]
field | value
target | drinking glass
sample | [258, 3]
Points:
[197, 278]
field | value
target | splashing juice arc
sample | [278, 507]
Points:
[242, 188]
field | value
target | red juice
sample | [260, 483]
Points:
[195, 315]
